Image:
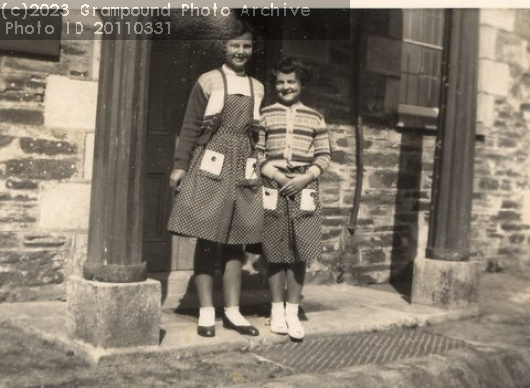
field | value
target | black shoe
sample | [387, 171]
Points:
[206, 331]
[244, 330]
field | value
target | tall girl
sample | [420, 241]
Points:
[218, 192]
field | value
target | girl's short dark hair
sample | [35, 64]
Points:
[289, 65]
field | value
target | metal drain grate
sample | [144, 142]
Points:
[326, 353]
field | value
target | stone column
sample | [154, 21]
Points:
[446, 277]
[114, 305]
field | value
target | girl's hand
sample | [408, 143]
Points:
[280, 178]
[297, 183]
[177, 175]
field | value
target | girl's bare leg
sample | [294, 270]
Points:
[233, 263]
[204, 269]
[277, 279]
[295, 282]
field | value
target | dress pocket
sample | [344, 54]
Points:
[308, 200]
[250, 169]
[270, 198]
[250, 178]
[212, 163]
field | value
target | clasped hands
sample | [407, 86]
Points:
[290, 184]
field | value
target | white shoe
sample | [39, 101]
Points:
[294, 327]
[278, 325]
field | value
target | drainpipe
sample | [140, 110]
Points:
[359, 174]
[359, 138]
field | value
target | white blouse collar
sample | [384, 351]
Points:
[230, 71]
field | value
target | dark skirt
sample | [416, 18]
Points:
[292, 225]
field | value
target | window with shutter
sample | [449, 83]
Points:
[421, 67]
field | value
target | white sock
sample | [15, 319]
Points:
[291, 309]
[233, 314]
[296, 330]
[278, 309]
[206, 316]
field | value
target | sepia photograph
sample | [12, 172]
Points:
[264, 194]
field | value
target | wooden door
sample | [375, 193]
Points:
[175, 66]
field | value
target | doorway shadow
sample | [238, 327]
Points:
[254, 299]
[412, 200]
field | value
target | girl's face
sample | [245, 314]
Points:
[288, 88]
[238, 51]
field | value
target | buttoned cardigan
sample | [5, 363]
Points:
[296, 135]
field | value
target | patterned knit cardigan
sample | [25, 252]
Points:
[205, 102]
[309, 142]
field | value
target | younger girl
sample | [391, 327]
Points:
[295, 146]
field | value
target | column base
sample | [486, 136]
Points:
[446, 284]
[114, 315]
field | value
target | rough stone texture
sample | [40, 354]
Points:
[21, 272]
[69, 203]
[110, 315]
[500, 226]
[487, 42]
[44, 240]
[21, 184]
[70, 103]
[502, 19]
[447, 284]
[39, 169]
[486, 110]
[46, 147]
[33, 150]
[8, 240]
[21, 116]
[493, 77]
[89, 156]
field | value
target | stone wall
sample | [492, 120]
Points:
[47, 110]
[393, 216]
[398, 164]
[501, 206]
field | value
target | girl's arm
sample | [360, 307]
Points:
[267, 169]
[322, 150]
[191, 127]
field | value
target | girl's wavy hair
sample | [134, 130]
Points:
[289, 65]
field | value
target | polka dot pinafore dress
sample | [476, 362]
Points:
[292, 226]
[221, 198]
